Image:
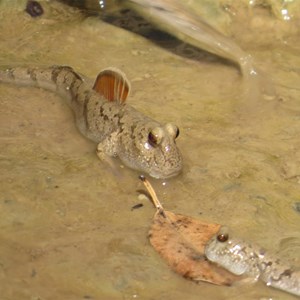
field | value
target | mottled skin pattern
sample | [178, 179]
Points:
[242, 258]
[118, 129]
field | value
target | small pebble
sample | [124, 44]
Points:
[34, 9]
[143, 197]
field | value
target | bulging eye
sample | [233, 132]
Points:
[155, 136]
[222, 237]
[172, 129]
[152, 139]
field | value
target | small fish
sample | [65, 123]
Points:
[137, 206]
[242, 258]
[102, 115]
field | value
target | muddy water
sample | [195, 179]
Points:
[67, 230]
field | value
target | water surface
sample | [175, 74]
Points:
[67, 230]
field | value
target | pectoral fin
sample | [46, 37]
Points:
[113, 85]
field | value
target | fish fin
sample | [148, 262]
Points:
[112, 84]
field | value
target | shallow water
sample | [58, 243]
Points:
[67, 230]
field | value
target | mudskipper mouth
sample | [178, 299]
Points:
[159, 175]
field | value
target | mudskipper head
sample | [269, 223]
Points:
[228, 252]
[162, 158]
[152, 149]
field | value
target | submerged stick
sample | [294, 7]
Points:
[153, 195]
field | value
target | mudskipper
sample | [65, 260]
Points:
[243, 258]
[102, 115]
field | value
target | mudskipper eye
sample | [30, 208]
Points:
[172, 130]
[222, 237]
[152, 139]
[155, 136]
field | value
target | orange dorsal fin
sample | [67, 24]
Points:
[113, 85]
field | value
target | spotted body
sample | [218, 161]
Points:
[102, 115]
[243, 258]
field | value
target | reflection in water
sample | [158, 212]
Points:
[179, 21]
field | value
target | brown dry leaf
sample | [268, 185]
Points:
[181, 240]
